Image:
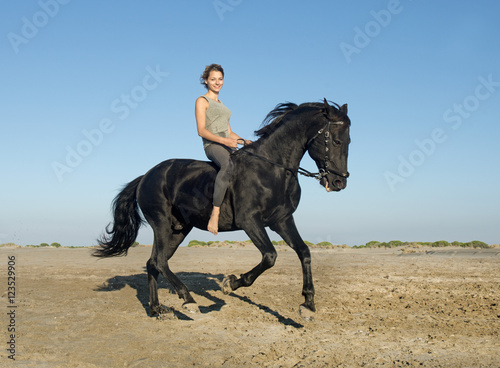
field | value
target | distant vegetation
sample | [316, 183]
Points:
[43, 245]
[440, 243]
[51, 245]
[324, 244]
[371, 244]
[199, 243]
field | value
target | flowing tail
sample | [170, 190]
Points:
[127, 221]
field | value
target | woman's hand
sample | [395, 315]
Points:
[243, 142]
[230, 142]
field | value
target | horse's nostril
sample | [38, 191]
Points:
[338, 183]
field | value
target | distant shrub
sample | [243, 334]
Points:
[477, 244]
[377, 244]
[393, 244]
[373, 244]
[325, 244]
[441, 243]
[412, 244]
[194, 243]
[55, 245]
[44, 245]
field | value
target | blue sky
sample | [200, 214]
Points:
[96, 93]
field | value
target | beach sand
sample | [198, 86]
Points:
[375, 307]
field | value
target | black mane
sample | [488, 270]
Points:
[276, 115]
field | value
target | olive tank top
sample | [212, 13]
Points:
[217, 120]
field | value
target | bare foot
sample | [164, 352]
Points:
[213, 223]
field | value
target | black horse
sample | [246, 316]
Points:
[176, 195]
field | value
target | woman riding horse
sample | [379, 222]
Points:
[219, 141]
[177, 195]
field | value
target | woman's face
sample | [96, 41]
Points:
[215, 81]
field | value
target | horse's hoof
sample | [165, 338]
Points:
[161, 312]
[155, 310]
[226, 284]
[191, 307]
[306, 313]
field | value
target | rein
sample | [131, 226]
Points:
[322, 171]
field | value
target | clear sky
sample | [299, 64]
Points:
[95, 93]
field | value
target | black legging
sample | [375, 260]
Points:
[220, 155]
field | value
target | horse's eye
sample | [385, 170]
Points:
[336, 142]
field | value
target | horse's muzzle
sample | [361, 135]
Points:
[334, 183]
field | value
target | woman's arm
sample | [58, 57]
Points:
[237, 137]
[201, 113]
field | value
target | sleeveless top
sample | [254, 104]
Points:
[217, 120]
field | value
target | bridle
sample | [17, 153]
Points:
[323, 171]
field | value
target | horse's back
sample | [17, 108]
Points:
[178, 175]
[181, 187]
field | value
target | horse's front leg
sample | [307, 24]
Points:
[260, 239]
[288, 231]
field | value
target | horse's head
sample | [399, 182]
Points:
[328, 146]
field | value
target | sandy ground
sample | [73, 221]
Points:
[375, 308]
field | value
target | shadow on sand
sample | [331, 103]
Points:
[199, 283]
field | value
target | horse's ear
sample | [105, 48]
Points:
[343, 109]
[327, 109]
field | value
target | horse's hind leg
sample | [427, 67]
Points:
[154, 304]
